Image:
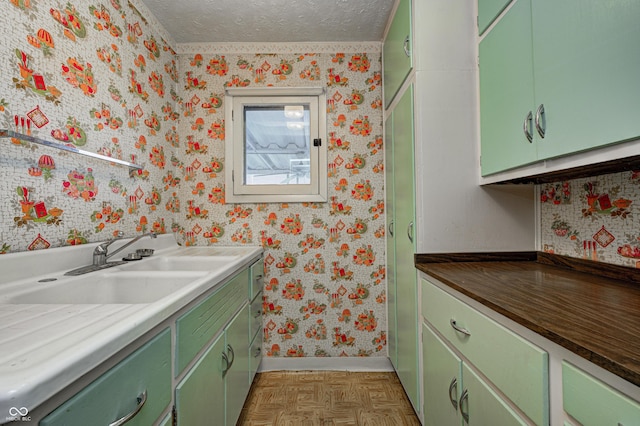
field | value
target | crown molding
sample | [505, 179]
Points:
[278, 48]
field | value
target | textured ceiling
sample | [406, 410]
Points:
[274, 21]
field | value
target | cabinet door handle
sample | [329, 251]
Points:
[405, 46]
[459, 329]
[227, 365]
[142, 398]
[257, 354]
[257, 314]
[258, 277]
[526, 127]
[540, 118]
[391, 228]
[464, 398]
[453, 387]
[233, 356]
[410, 231]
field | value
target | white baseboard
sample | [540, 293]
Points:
[326, 363]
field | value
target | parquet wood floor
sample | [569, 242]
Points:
[310, 398]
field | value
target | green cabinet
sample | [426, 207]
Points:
[237, 373]
[200, 398]
[403, 308]
[392, 298]
[214, 389]
[139, 386]
[555, 79]
[592, 402]
[456, 395]
[488, 11]
[585, 64]
[396, 51]
[198, 326]
[442, 379]
[520, 370]
[506, 92]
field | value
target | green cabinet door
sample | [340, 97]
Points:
[506, 92]
[406, 274]
[200, 395]
[237, 376]
[396, 51]
[119, 391]
[442, 378]
[488, 11]
[586, 68]
[482, 406]
[391, 244]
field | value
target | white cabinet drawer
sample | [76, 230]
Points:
[517, 367]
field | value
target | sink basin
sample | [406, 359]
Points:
[108, 288]
[171, 263]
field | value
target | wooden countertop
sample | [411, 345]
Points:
[589, 308]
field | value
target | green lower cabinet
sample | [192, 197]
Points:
[140, 384]
[214, 390]
[200, 395]
[481, 405]
[237, 376]
[455, 395]
[442, 378]
[593, 403]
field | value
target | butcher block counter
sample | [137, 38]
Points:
[591, 309]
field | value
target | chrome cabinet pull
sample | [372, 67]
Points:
[410, 231]
[391, 228]
[540, 117]
[142, 398]
[227, 365]
[526, 126]
[405, 46]
[463, 398]
[459, 329]
[453, 387]
[233, 355]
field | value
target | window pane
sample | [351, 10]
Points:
[276, 145]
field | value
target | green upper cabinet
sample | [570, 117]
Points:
[396, 51]
[586, 66]
[571, 66]
[488, 10]
[506, 92]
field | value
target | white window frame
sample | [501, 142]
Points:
[235, 189]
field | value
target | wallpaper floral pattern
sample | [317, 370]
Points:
[97, 76]
[105, 77]
[593, 218]
[325, 276]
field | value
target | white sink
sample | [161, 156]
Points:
[180, 263]
[107, 288]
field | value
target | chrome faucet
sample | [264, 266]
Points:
[101, 254]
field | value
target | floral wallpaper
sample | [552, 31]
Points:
[98, 76]
[593, 218]
[325, 276]
[105, 77]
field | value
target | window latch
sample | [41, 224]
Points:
[317, 142]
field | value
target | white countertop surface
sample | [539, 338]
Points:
[46, 347]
